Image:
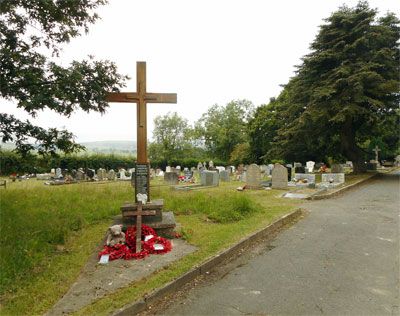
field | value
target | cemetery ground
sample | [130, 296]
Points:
[49, 232]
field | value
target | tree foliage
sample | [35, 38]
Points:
[263, 127]
[347, 89]
[172, 136]
[241, 155]
[223, 128]
[36, 82]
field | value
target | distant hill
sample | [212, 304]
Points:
[124, 147]
[111, 146]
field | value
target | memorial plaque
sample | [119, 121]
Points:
[142, 178]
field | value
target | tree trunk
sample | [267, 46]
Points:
[350, 149]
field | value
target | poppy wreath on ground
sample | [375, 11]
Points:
[166, 245]
[129, 251]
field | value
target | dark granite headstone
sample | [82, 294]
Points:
[289, 172]
[300, 169]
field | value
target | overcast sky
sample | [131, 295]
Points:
[207, 52]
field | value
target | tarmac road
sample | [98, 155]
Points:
[341, 259]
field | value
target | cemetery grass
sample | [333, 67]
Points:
[201, 227]
[48, 233]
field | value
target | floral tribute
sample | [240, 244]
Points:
[152, 244]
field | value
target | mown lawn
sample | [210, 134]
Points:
[47, 234]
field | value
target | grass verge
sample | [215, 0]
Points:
[48, 233]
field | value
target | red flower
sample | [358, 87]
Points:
[119, 251]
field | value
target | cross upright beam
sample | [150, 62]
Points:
[141, 98]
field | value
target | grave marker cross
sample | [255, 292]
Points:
[141, 97]
[138, 215]
[376, 150]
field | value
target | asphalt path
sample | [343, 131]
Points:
[341, 259]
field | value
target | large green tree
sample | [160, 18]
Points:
[263, 126]
[347, 89]
[36, 82]
[223, 128]
[172, 135]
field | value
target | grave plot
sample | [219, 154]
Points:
[304, 192]
[331, 180]
[208, 178]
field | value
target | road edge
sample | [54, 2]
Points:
[173, 286]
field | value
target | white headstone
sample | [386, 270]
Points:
[122, 175]
[220, 168]
[310, 165]
[168, 169]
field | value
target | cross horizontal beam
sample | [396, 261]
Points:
[130, 97]
[136, 213]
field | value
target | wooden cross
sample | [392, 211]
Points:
[376, 150]
[141, 98]
[139, 213]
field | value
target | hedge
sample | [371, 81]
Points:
[13, 163]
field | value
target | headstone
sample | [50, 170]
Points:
[271, 167]
[297, 164]
[224, 175]
[199, 165]
[299, 169]
[122, 175]
[188, 173]
[243, 176]
[220, 168]
[80, 174]
[100, 174]
[253, 177]
[178, 169]
[289, 168]
[376, 150]
[53, 172]
[171, 178]
[209, 178]
[349, 164]
[305, 176]
[111, 175]
[211, 164]
[310, 166]
[74, 174]
[279, 177]
[337, 168]
[168, 169]
[397, 161]
[332, 178]
[90, 173]
[58, 172]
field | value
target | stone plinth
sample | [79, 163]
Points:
[163, 222]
